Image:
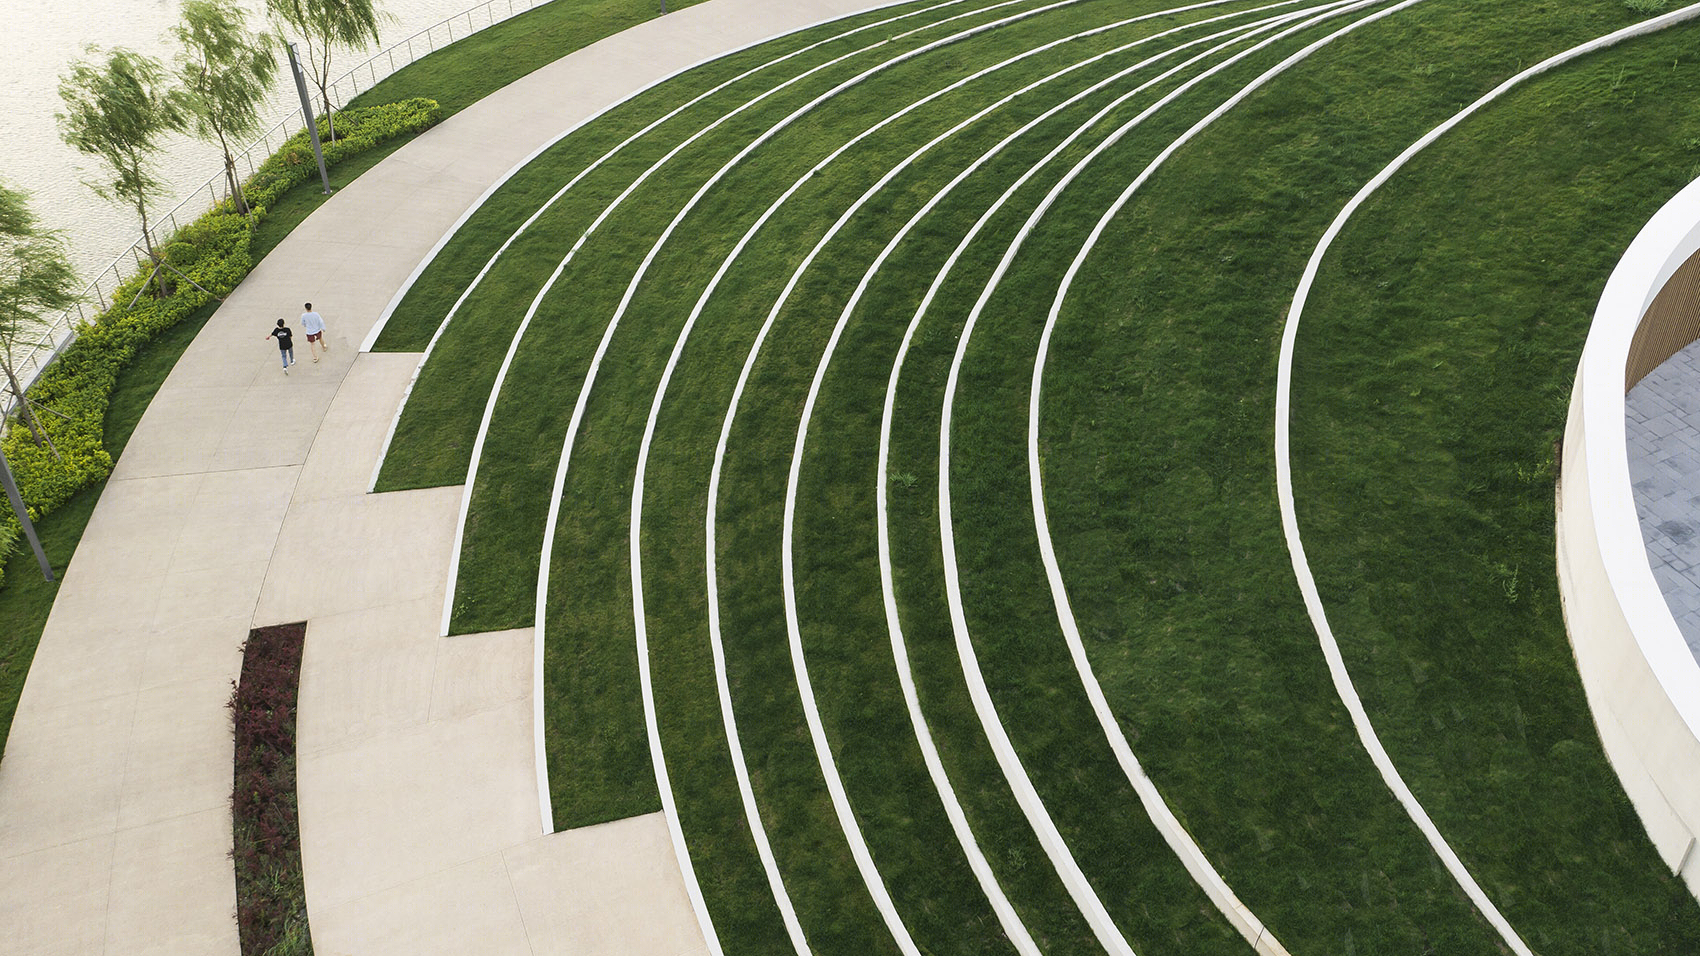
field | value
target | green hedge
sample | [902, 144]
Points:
[214, 251]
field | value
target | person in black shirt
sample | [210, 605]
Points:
[285, 344]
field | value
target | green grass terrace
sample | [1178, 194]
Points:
[877, 425]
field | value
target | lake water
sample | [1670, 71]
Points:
[40, 38]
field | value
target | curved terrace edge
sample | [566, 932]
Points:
[1642, 682]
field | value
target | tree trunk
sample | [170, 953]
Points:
[153, 254]
[236, 195]
[324, 86]
[27, 414]
[330, 113]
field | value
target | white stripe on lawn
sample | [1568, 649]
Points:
[829, 771]
[693, 888]
[430, 256]
[560, 268]
[1008, 759]
[941, 782]
[1007, 918]
[1182, 843]
[1284, 472]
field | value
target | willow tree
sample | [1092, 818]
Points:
[326, 25]
[36, 280]
[224, 72]
[117, 110]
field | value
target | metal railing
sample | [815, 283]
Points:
[60, 332]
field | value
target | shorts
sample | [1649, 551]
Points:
[315, 336]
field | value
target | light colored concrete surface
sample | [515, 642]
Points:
[1642, 681]
[466, 909]
[237, 503]
[605, 890]
[1663, 412]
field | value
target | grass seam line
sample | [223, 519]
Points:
[1008, 919]
[477, 280]
[494, 396]
[1185, 847]
[448, 234]
[1284, 474]
[519, 333]
[652, 731]
[1050, 837]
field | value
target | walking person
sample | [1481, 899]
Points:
[314, 325]
[285, 344]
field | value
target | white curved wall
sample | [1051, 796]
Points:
[1642, 682]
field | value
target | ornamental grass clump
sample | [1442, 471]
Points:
[271, 902]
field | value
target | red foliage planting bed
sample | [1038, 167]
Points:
[271, 903]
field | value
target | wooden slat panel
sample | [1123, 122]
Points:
[1671, 322]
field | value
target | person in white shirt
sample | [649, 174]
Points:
[314, 325]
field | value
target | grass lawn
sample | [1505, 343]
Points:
[1159, 481]
[1160, 485]
[589, 614]
[1425, 480]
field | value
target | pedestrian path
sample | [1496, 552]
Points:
[1663, 431]
[239, 502]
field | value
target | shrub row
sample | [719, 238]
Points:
[214, 252]
[271, 898]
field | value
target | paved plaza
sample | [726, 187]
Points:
[1664, 465]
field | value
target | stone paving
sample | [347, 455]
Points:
[1664, 465]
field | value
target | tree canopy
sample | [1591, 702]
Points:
[326, 25]
[36, 280]
[225, 72]
[117, 107]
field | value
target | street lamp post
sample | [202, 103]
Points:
[307, 114]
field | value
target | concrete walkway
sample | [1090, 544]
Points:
[1663, 429]
[238, 503]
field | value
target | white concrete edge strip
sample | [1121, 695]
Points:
[539, 747]
[1008, 919]
[395, 301]
[1284, 473]
[688, 871]
[1026, 794]
[491, 399]
[847, 822]
[437, 248]
[494, 395]
[1184, 846]
[740, 768]
[929, 749]
[1666, 241]
[477, 280]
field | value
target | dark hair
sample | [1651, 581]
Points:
[309, 307]
[280, 323]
